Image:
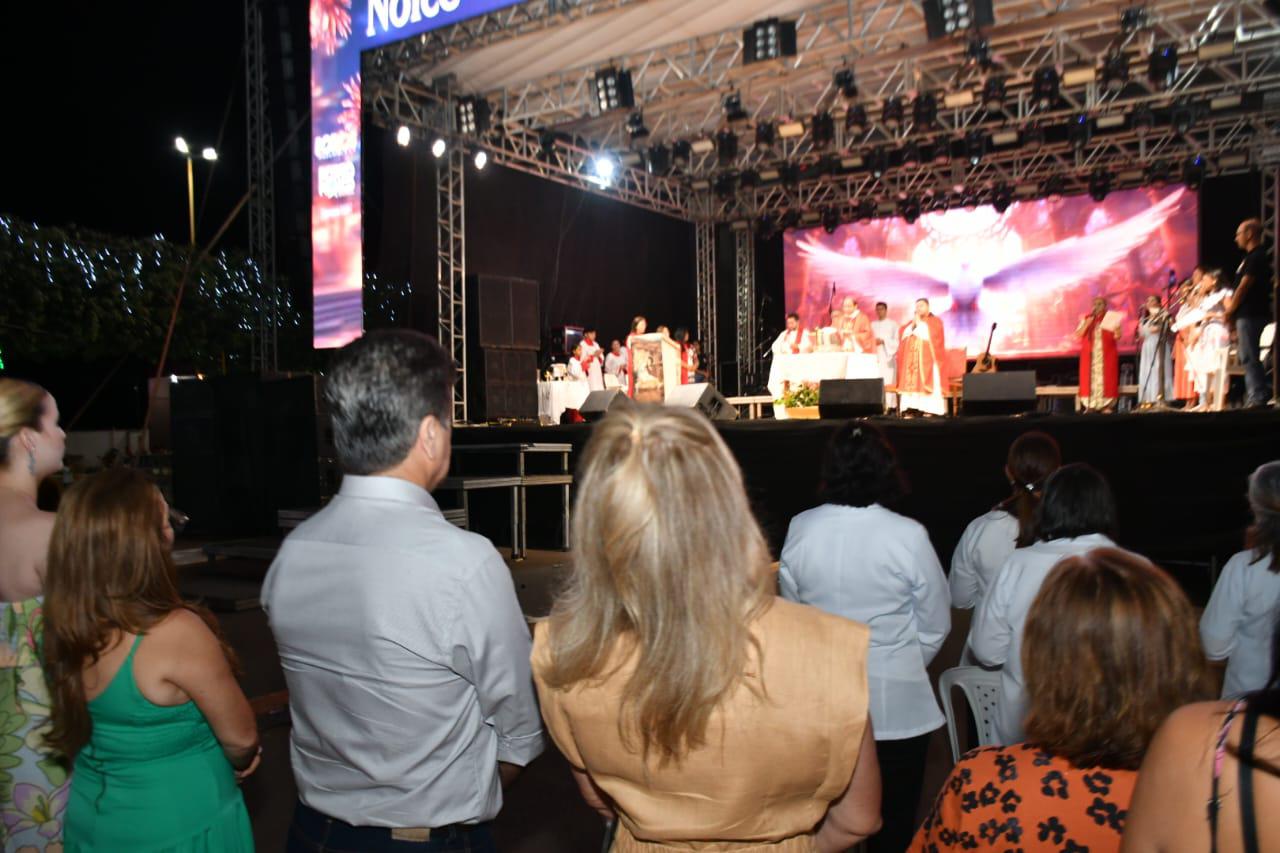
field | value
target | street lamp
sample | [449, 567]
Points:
[208, 153]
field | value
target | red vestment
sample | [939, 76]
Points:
[917, 357]
[1110, 362]
[862, 334]
[688, 364]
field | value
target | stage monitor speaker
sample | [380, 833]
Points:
[506, 312]
[600, 403]
[850, 398]
[1009, 393]
[705, 398]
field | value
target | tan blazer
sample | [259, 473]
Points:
[774, 760]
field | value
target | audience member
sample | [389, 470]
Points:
[1239, 621]
[990, 538]
[1110, 651]
[855, 558]
[692, 703]
[1076, 514]
[144, 698]
[1211, 779]
[31, 447]
[405, 652]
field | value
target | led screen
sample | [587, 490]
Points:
[1033, 270]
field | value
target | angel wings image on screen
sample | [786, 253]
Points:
[973, 268]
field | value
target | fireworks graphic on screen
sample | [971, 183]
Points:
[330, 25]
[349, 118]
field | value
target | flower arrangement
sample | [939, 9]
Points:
[803, 395]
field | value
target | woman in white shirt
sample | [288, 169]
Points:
[853, 557]
[577, 373]
[1077, 514]
[991, 537]
[1240, 619]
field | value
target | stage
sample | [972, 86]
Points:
[1179, 478]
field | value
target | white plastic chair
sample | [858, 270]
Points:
[982, 688]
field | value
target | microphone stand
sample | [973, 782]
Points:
[1162, 344]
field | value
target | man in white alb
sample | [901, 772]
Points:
[402, 643]
[886, 337]
[615, 363]
[592, 357]
[794, 339]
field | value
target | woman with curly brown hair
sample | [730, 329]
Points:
[1110, 650]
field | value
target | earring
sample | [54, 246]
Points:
[31, 462]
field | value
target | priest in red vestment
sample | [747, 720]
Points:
[862, 338]
[920, 357]
[1099, 361]
[794, 339]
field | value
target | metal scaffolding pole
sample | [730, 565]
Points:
[744, 269]
[1271, 232]
[451, 269]
[705, 261]
[262, 199]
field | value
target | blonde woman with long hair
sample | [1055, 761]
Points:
[694, 706]
[33, 789]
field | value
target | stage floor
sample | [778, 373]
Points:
[1179, 478]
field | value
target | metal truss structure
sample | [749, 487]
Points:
[744, 266]
[705, 275]
[451, 269]
[262, 198]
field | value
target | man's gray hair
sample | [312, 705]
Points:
[379, 389]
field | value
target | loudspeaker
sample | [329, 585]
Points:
[506, 385]
[850, 398]
[999, 393]
[600, 403]
[705, 398]
[506, 312]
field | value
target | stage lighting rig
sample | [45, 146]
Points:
[611, 90]
[910, 209]
[1099, 184]
[1053, 187]
[403, 137]
[768, 39]
[1162, 65]
[658, 161]
[681, 152]
[924, 111]
[942, 152]
[733, 111]
[1182, 117]
[790, 219]
[1159, 173]
[766, 134]
[1142, 119]
[911, 154]
[636, 128]
[1133, 19]
[975, 146]
[865, 209]
[844, 80]
[789, 174]
[1193, 172]
[480, 160]
[725, 186]
[766, 226]
[993, 94]
[939, 202]
[439, 147]
[823, 129]
[855, 121]
[726, 147]
[947, 17]
[878, 162]
[891, 113]
[473, 115]
[1115, 71]
[1001, 198]
[604, 168]
[1033, 138]
[1045, 87]
[978, 51]
[830, 219]
[1079, 131]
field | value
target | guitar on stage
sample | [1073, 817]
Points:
[986, 363]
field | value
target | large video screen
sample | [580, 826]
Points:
[1032, 270]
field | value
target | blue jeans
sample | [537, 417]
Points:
[314, 832]
[1248, 330]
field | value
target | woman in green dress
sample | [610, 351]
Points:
[144, 698]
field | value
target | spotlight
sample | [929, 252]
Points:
[480, 160]
[1132, 19]
[1053, 187]
[208, 153]
[979, 51]
[970, 199]
[891, 114]
[611, 90]
[790, 219]
[438, 147]
[789, 174]
[993, 94]
[748, 179]
[1033, 138]
[942, 152]
[1162, 65]
[733, 111]
[846, 83]
[911, 154]
[725, 186]
[1115, 71]
[1079, 131]
[1044, 87]
[726, 147]
[1193, 172]
[924, 111]
[603, 169]
[855, 121]
[830, 219]
[768, 39]
[766, 226]
[1159, 173]
[939, 202]
[975, 146]
[1099, 184]
[1001, 198]
[473, 116]
[183, 148]
[1182, 117]
[877, 162]
[823, 129]
[636, 128]
[403, 136]
[1142, 119]
[947, 17]
[910, 209]
[659, 160]
[681, 151]
[766, 134]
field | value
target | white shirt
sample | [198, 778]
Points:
[986, 543]
[617, 365]
[788, 339]
[406, 657]
[576, 372]
[594, 376]
[996, 633]
[875, 566]
[887, 331]
[1239, 620]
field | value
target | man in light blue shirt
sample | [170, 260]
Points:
[405, 652]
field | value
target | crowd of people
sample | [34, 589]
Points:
[703, 698]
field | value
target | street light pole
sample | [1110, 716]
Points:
[185, 150]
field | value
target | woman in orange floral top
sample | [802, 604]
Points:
[1111, 649]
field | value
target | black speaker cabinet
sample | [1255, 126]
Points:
[704, 397]
[506, 312]
[850, 398]
[1008, 393]
[600, 403]
[505, 385]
